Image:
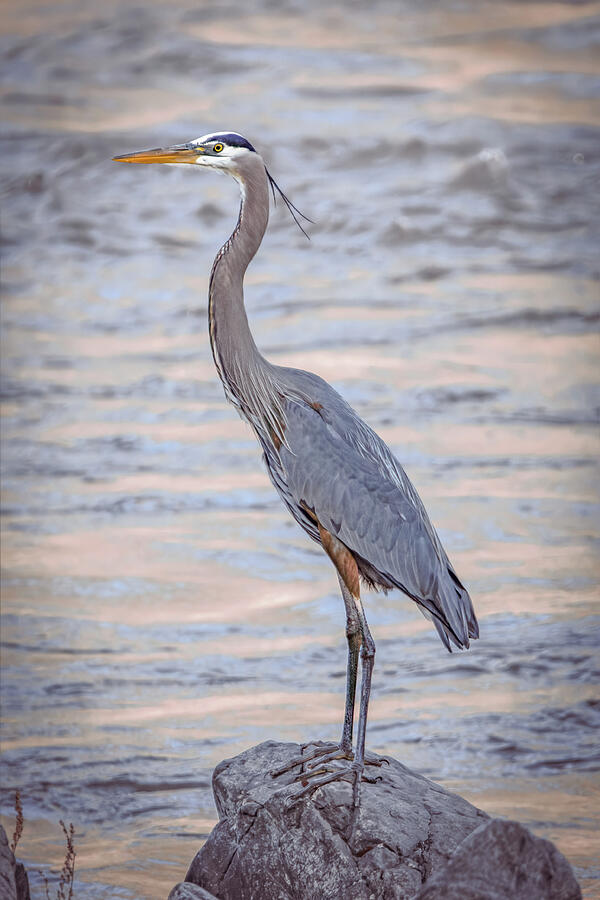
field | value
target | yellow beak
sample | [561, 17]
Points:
[168, 155]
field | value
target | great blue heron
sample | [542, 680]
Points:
[338, 479]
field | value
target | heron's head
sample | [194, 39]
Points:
[224, 151]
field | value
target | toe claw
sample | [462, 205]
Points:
[329, 757]
[316, 771]
[328, 750]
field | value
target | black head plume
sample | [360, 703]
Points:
[292, 209]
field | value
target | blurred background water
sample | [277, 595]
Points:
[160, 610]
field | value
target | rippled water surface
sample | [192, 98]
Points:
[160, 611]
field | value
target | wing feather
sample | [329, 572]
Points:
[337, 466]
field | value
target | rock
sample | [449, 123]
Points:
[22, 882]
[8, 886]
[14, 883]
[187, 891]
[410, 838]
[501, 860]
[321, 848]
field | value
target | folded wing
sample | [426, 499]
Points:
[335, 467]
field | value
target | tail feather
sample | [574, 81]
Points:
[451, 611]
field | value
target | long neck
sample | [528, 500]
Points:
[233, 347]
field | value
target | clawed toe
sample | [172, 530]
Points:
[338, 753]
[376, 760]
[322, 753]
[325, 764]
[317, 778]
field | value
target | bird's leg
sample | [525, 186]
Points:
[353, 634]
[327, 752]
[349, 580]
[354, 637]
[368, 662]
[358, 634]
[355, 772]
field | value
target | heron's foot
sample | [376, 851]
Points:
[322, 774]
[320, 762]
[354, 774]
[322, 753]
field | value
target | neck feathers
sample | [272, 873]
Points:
[247, 377]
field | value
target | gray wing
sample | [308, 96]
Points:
[336, 466]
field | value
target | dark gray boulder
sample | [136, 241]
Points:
[410, 838]
[188, 891]
[269, 846]
[502, 860]
[22, 882]
[14, 883]
[8, 887]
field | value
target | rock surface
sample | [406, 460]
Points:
[188, 891]
[265, 846]
[502, 860]
[22, 882]
[8, 887]
[14, 883]
[410, 838]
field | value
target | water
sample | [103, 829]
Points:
[160, 612]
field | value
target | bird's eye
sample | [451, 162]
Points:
[217, 148]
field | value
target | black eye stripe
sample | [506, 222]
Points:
[233, 140]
